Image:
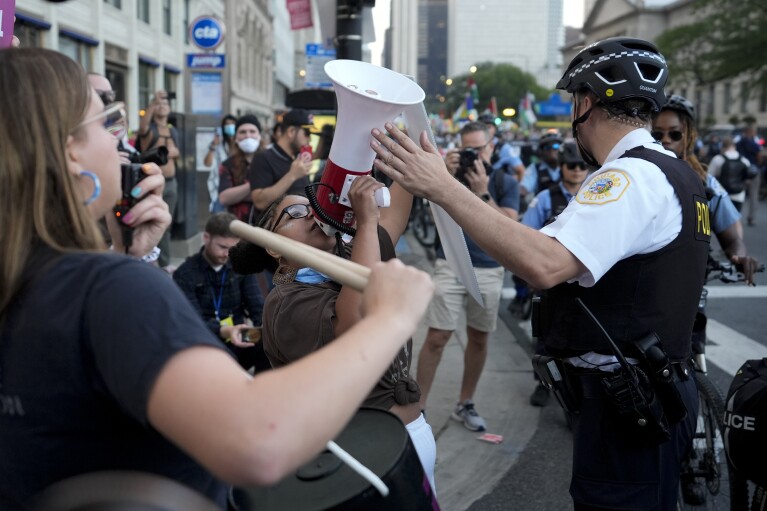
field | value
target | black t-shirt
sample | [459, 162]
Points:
[80, 349]
[270, 166]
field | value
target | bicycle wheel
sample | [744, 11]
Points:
[423, 225]
[759, 503]
[705, 480]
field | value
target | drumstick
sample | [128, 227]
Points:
[345, 272]
[358, 467]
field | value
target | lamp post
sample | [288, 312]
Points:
[349, 28]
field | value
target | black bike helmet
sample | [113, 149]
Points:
[548, 140]
[619, 68]
[680, 104]
[568, 153]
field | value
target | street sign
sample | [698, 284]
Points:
[206, 32]
[317, 56]
[7, 9]
[205, 60]
[553, 106]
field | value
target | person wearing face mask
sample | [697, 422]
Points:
[219, 150]
[282, 169]
[233, 186]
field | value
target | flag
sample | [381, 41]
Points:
[493, 107]
[526, 112]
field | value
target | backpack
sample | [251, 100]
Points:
[745, 422]
[732, 175]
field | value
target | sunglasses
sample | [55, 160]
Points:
[550, 147]
[293, 211]
[107, 96]
[674, 135]
[113, 119]
[575, 166]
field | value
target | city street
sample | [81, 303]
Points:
[530, 470]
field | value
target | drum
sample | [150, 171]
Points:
[378, 440]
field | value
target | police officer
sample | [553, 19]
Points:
[632, 246]
[545, 172]
[544, 209]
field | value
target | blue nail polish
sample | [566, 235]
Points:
[136, 192]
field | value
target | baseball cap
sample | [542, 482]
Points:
[298, 117]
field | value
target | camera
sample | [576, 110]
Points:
[172, 95]
[467, 157]
[131, 174]
[158, 155]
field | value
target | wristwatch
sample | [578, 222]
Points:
[485, 197]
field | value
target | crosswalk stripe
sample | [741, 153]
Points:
[737, 291]
[728, 349]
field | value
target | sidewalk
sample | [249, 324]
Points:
[468, 468]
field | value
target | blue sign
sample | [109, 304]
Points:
[205, 60]
[317, 56]
[554, 106]
[207, 32]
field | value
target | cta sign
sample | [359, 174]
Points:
[207, 32]
[205, 60]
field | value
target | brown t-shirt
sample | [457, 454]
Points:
[298, 319]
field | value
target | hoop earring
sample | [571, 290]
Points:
[96, 186]
[284, 274]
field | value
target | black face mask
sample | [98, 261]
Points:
[586, 154]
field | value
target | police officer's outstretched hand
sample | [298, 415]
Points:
[420, 170]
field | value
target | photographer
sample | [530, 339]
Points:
[155, 131]
[470, 166]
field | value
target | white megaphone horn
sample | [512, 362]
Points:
[368, 96]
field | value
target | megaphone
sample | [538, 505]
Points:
[368, 96]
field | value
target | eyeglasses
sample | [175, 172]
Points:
[575, 166]
[113, 119]
[674, 135]
[293, 211]
[107, 96]
[550, 147]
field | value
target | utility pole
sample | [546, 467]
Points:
[349, 28]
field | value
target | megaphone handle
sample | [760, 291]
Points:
[383, 197]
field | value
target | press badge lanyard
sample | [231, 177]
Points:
[217, 300]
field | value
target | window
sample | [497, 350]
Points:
[711, 107]
[29, 35]
[115, 3]
[145, 83]
[166, 16]
[117, 77]
[745, 92]
[763, 98]
[76, 50]
[143, 10]
[727, 98]
[169, 78]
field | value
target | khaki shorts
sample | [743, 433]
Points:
[451, 299]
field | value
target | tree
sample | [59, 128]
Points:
[727, 39]
[506, 82]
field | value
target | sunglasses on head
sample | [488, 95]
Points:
[112, 118]
[293, 211]
[674, 135]
[575, 166]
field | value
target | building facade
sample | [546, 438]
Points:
[717, 104]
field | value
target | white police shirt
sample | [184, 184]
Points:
[625, 208]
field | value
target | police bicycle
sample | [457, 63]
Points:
[706, 482]
[422, 222]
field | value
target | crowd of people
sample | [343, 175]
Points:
[216, 378]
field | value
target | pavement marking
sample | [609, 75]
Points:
[737, 291]
[731, 348]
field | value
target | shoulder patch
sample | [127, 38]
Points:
[603, 188]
